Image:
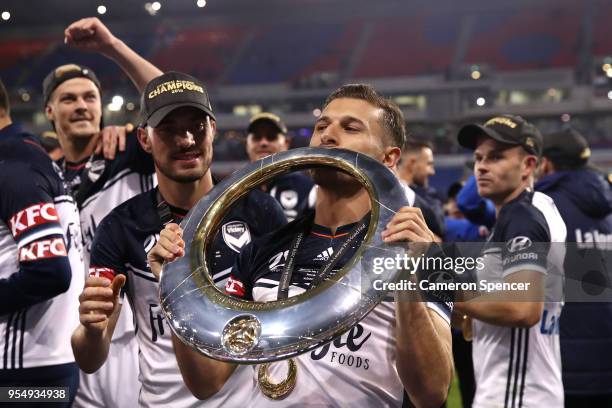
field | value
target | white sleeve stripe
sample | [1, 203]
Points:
[443, 313]
[222, 274]
[123, 173]
[268, 281]
[63, 199]
[130, 266]
[54, 230]
[524, 267]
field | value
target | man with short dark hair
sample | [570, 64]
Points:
[516, 339]
[295, 192]
[417, 163]
[266, 135]
[415, 168]
[584, 200]
[393, 347]
[178, 130]
[41, 267]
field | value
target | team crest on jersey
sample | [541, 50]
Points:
[288, 198]
[95, 169]
[236, 234]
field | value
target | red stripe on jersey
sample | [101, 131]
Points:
[329, 236]
[34, 215]
[48, 248]
[35, 144]
[234, 287]
[102, 272]
[77, 166]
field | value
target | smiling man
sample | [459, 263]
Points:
[178, 130]
[99, 180]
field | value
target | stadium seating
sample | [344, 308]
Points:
[410, 46]
[602, 42]
[532, 38]
[46, 54]
[203, 53]
[529, 38]
[284, 52]
[19, 53]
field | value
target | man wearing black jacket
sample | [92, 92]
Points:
[584, 200]
[415, 168]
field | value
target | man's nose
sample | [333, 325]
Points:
[330, 136]
[480, 168]
[185, 138]
[81, 104]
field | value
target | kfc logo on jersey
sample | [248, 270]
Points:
[234, 287]
[236, 234]
[49, 248]
[37, 214]
[101, 272]
[518, 244]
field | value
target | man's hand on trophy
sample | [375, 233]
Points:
[169, 247]
[408, 225]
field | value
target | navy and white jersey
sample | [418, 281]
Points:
[120, 246]
[41, 262]
[357, 368]
[100, 185]
[295, 192]
[521, 367]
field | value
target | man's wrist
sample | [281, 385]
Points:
[114, 49]
[91, 334]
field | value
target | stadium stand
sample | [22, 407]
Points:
[532, 38]
[410, 46]
[201, 53]
[602, 43]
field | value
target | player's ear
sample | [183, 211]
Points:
[49, 112]
[213, 127]
[530, 164]
[144, 139]
[392, 156]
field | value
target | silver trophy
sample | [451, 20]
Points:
[234, 330]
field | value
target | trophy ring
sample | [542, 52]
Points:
[234, 330]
